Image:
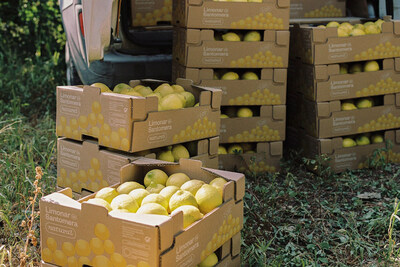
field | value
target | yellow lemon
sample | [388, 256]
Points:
[145, 91]
[348, 142]
[252, 36]
[190, 100]
[210, 261]
[127, 187]
[100, 202]
[377, 138]
[231, 37]
[223, 116]
[154, 188]
[190, 214]
[171, 101]
[124, 201]
[155, 94]
[181, 198]
[249, 75]
[356, 68]
[235, 149]
[362, 140]
[165, 155]
[121, 87]
[372, 29]
[139, 194]
[168, 191]
[156, 198]
[222, 150]
[103, 88]
[179, 151]
[333, 24]
[157, 176]
[357, 32]
[208, 198]
[192, 186]
[152, 208]
[164, 89]
[348, 105]
[244, 113]
[364, 103]
[107, 193]
[177, 179]
[219, 183]
[230, 76]
[132, 93]
[371, 66]
[177, 88]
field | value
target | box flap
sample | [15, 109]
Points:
[282, 38]
[276, 148]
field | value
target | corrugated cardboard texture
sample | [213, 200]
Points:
[269, 90]
[207, 14]
[150, 12]
[317, 8]
[323, 46]
[137, 238]
[198, 49]
[269, 126]
[132, 124]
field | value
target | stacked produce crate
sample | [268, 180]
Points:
[241, 47]
[344, 85]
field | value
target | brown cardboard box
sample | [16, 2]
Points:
[132, 124]
[229, 261]
[269, 90]
[198, 49]
[140, 239]
[150, 12]
[207, 14]
[325, 83]
[323, 46]
[269, 126]
[351, 158]
[317, 8]
[266, 159]
[85, 165]
[325, 119]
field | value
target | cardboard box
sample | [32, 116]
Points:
[349, 158]
[269, 90]
[317, 8]
[269, 126]
[198, 49]
[323, 46]
[140, 239]
[266, 159]
[229, 261]
[132, 124]
[86, 165]
[325, 119]
[208, 14]
[150, 13]
[325, 83]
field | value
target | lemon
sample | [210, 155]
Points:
[231, 37]
[359, 26]
[179, 151]
[230, 76]
[356, 68]
[348, 142]
[357, 32]
[103, 88]
[156, 198]
[223, 116]
[364, 103]
[190, 214]
[192, 186]
[155, 94]
[348, 105]
[222, 150]
[168, 191]
[333, 24]
[100, 202]
[155, 188]
[344, 68]
[362, 140]
[244, 113]
[342, 32]
[124, 201]
[132, 93]
[379, 23]
[171, 101]
[249, 75]
[219, 183]
[164, 89]
[346, 26]
[371, 66]
[139, 194]
[107, 193]
[189, 99]
[152, 208]
[121, 87]
[252, 36]
[177, 179]
[208, 198]
[155, 175]
[181, 198]
[181, 97]
[235, 149]
[377, 138]
[372, 29]
[177, 88]
[210, 261]
[127, 187]
[145, 91]
[165, 155]
[137, 87]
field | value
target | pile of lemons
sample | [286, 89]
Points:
[362, 140]
[164, 195]
[169, 96]
[238, 36]
[364, 102]
[346, 29]
[173, 153]
[358, 67]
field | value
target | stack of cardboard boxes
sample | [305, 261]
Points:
[241, 48]
[342, 103]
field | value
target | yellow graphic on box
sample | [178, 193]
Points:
[389, 156]
[257, 167]
[327, 11]
[259, 60]
[383, 122]
[151, 18]
[387, 86]
[202, 128]
[230, 226]
[99, 251]
[258, 97]
[386, 50]
[262, 21]
[258, 134]
[91, 179]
